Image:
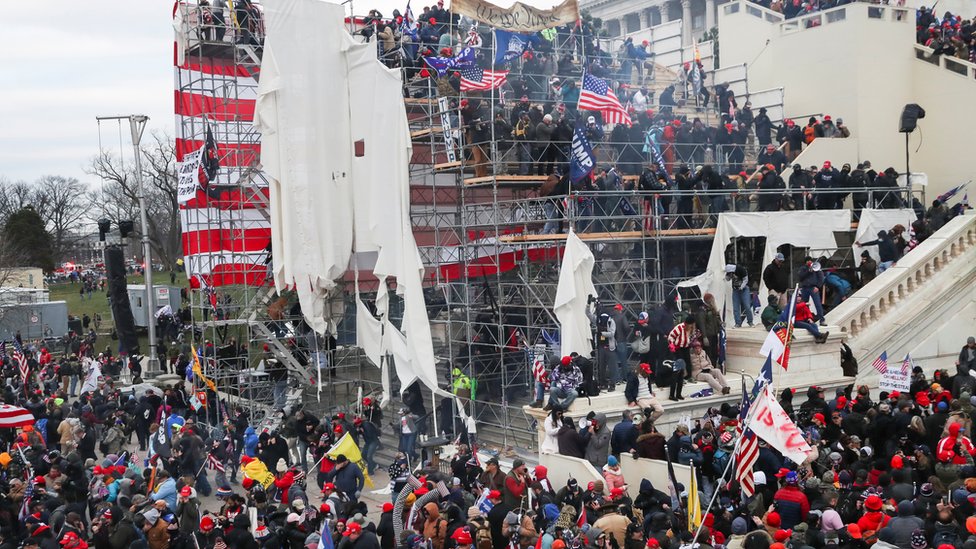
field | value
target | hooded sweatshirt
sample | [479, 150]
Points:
[598, 448]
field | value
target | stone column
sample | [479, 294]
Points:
[710, 15]
[685, 23]
[665, 13]
[647, 21]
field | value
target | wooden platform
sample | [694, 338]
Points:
[419, 100]
[447, 166]
[503, 180]
[416, 134]
[618, 235]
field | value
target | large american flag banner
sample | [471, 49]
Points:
[881, 363]
[596, 95]
[225, 226]
[475, 79]
[748, 452]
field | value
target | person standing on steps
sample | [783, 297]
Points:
[738, 276]
[811, 281]
[776, 277]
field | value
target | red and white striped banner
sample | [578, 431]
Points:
[13, 416]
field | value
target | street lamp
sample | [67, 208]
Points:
[137, 125]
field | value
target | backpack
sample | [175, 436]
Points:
[589, 387]
[603, 325]
[482, 536]
[642, 345]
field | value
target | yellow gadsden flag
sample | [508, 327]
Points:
[258, 471]
[694, 505]
[198, 370]
[347, 447]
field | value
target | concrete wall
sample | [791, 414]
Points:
[859, 64]
[22, 277]
[838, 151]
[562, 468]
[654, 470]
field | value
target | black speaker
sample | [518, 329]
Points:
[118, 293]
[910, 116]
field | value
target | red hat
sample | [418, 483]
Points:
[494, 494]
[462, 536]
[424, 73]
[826, 118]
[353, 528]
[873, 503]
[922, 398]
[782, 535]
[827, 164]
[645, 42]
[790, 122]
[357, 421]
[38, 480]
[783, 471]
[246, 459]
[653, 543]
[819, 417]
[854, 530]
[773, 519]
[341, 415]
[337, 429]
[894, 395]
[186, 491]
[645, 367]
[841, 400]
[897, 462]
[616, 492]
[70, 538]
[423, 490]
[387, 507]
[709, 520]
[618, 307]
[367, 401]
[247, 483]
[207, 524]
[432, 21]
[328, 486]
[566, 360]
[41, 528]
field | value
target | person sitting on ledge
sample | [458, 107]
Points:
[565, 379]
[702, 370]
[804, 319]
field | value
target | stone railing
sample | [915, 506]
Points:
[958, 66]
[953, 246]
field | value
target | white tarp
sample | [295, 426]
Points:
[337, 145]
[873, 221]
[812, 229]
[575, 287]
[303, 113]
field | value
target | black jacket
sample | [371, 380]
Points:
[776, 277]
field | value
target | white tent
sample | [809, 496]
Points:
[812, 229]
[572, 293]
[337, 145]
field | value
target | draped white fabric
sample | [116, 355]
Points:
[812, 229]
[873, 221]
[574, 288]
[337, 144]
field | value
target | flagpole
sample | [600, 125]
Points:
[735, 450]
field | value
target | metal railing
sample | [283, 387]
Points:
[962, 67]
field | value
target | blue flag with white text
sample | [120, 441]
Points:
[582, 161]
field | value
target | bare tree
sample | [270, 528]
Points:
[61, 201]
[119, 197]
[14, 196]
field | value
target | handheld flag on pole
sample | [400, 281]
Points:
[511, 45]
[694, 505]
[748, 452]
[582, 161]
[881, 363]
[596, 95]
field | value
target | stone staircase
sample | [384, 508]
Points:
[924, 305]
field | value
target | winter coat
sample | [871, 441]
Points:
[598, 448]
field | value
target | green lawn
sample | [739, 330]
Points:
[99, 303]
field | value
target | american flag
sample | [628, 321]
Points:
[28, 495]
[881, 363]
[906, 366]
[748, 452]
[539, 367]
[214, 463]
[596, 95]
[21, 361]
[513, 540]
[582, 517]
[475, 79]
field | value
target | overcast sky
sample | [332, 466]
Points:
[73, 61]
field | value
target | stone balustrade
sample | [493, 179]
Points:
[953, 246]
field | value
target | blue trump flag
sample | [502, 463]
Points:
[443, 64]
[511, 45]
[581, 162]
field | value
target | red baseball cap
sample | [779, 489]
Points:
[353, 528]
[387, 507]
[329, 486]
[494, 494]
[186, 491]
[782, 472]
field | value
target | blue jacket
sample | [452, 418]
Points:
[624, 437]
[250, 442]
[166, 492]
[349, 479]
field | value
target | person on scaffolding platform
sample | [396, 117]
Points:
[477, 133]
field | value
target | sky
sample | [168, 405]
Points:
[73, 61]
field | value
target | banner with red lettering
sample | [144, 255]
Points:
[771, 423]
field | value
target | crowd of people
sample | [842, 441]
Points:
[950, 35]
[890, 469]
